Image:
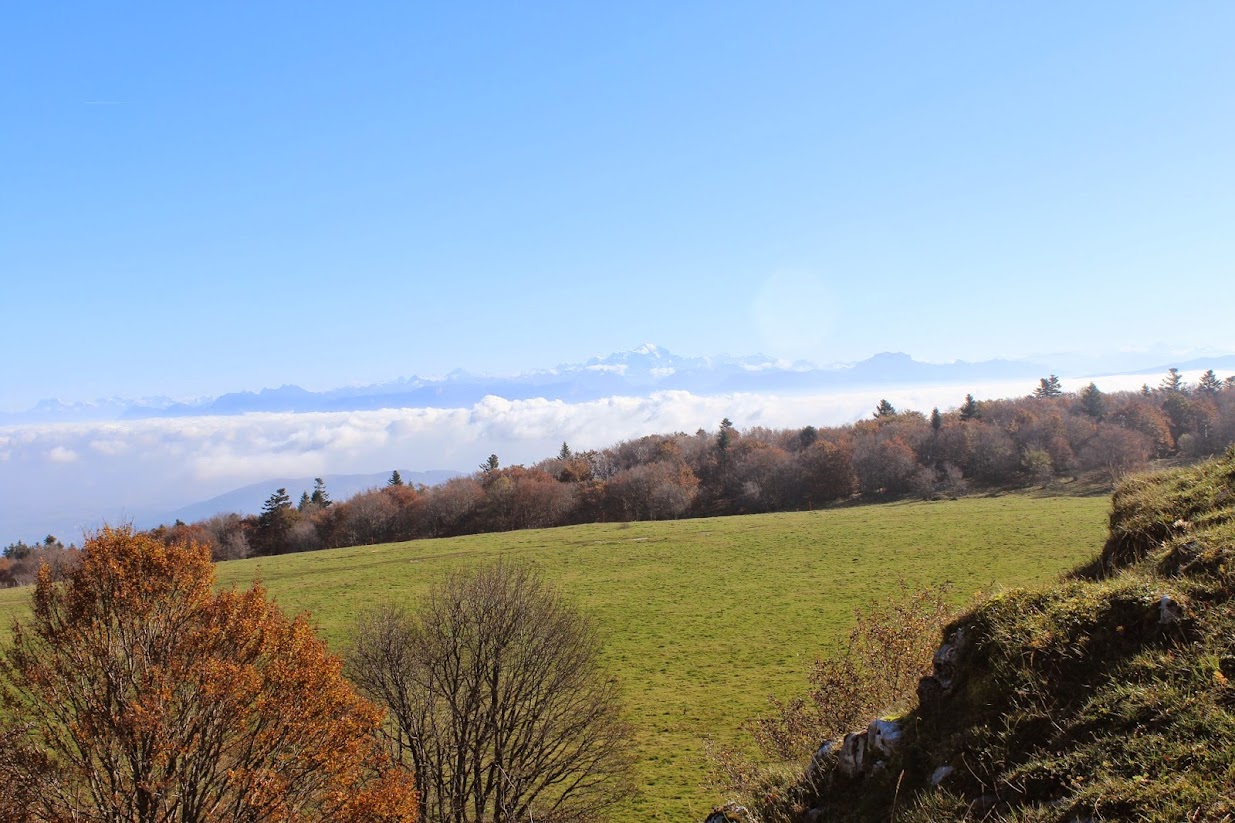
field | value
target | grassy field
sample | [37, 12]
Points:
[703, 619]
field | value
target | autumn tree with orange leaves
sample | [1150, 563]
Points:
[139, 694]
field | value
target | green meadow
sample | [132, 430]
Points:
[703, 619]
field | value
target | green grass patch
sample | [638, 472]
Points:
[703, 619]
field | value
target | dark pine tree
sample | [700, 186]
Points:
[970, 409]
[1093, 401]
[1209, 383]
[1048, 387]
[319, 496]
[274, 523]
[807, 437]
[1173, 382]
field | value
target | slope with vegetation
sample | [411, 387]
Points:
[1106, 697]
[686, 609]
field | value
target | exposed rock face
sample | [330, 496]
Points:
[861, 753]
[852, 758]
[884, 737]
[936, 686]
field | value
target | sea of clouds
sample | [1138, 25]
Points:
[64, 478]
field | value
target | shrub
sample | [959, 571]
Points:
[889, 649]
[137, 693]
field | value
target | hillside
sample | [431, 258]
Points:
[689, 609]
[249, 499]
[1105, 697]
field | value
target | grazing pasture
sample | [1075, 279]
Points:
[703, 619]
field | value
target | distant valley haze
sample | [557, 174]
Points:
[69, 467]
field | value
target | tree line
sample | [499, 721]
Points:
[1042, 438]
[1038, 439]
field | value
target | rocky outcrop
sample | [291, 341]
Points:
[945, 669]
[859, 753]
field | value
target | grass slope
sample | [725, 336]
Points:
[704, 618]
[1093, 699]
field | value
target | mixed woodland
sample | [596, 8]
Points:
[1049, 437]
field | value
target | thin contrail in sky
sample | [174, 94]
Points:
[106, 102]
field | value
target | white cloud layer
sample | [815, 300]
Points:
[65, 477]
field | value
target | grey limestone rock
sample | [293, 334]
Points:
[884, 737]
[852, 758]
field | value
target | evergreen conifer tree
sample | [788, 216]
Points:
[725, 436]
[277, 502]
[1093, 401]
[807, 437]
[1173, 381]
[319, 496]
[970, 409]
[275, 522]
[1209, 383]
[1048, 387]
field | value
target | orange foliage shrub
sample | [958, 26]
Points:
[137, 693]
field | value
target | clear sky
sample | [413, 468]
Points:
[199, 198]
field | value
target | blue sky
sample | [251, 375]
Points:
[231, 196]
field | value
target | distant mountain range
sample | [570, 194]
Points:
[637, 372]
[640, 371]
[1217, 363]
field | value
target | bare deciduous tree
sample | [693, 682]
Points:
[1115, 451]
[496, 696]
[653, 491]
